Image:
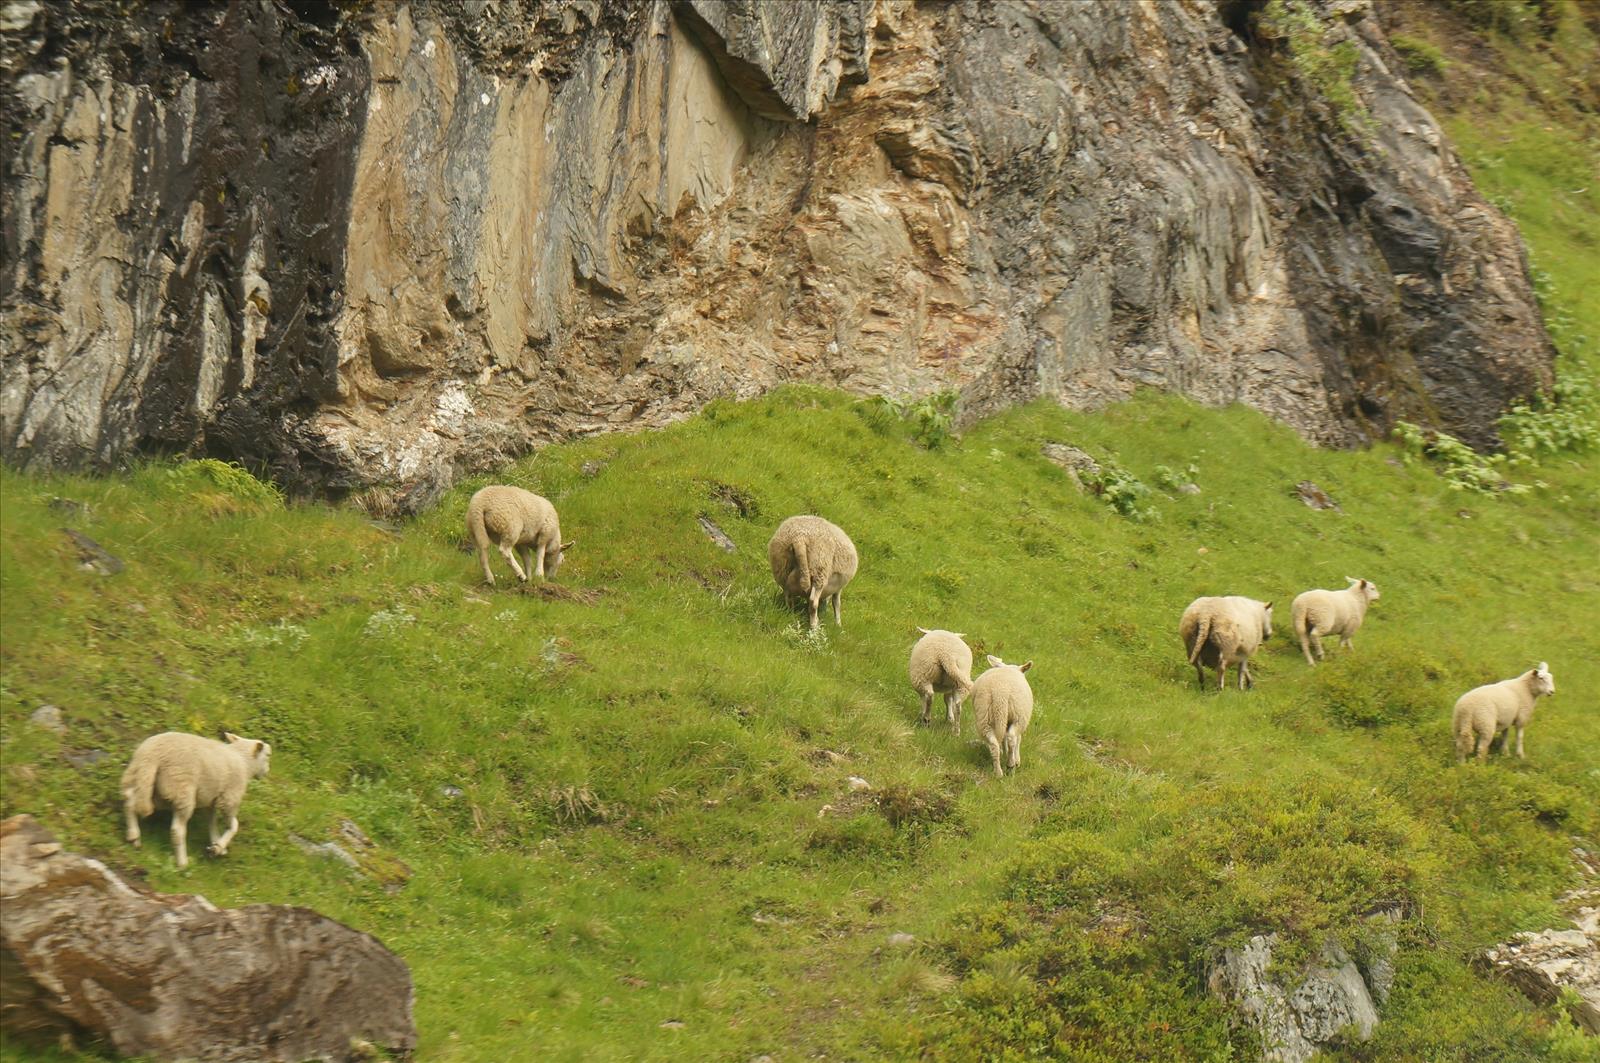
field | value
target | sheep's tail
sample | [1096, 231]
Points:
[1201, 633]
[138, 785]
[803, 563]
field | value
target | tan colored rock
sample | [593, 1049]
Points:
[172, 977]
[1550, 962]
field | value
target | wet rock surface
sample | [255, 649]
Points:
[172, 977]
[375, 246]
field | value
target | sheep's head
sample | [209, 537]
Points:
[995, 662]
[256, 752]
[1543, 681]
[553, 561]
[1365, 587]
[1266, 621]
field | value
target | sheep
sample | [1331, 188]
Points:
[814, 558]
[185, 772]
[1002, 705]
[517, 521]
[1483, 712]
[941, 662]
[1218, 632]
[1318, 613]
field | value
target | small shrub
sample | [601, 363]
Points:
[1121, 490]
[1323, 65]
[1463, 467]
[911, 807]
[225, 486]
[1375, 690]
[1420, 56]
[1169, 479]
[931, 418]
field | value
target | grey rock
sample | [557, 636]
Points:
[83, 759]
[48, 717]
[17, 15]
[1314, 496]
[174, 977]
[1324, 1003]
[309, 271]
[70, 507]
[1545, 964]
[332, 850]
[716, 534]
[901, 941]
[92, 557]
[451, 791]
[1079, 465]
[1188, 489]
[591, 469]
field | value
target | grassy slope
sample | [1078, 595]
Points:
[639, 838]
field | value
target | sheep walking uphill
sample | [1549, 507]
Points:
[1319, 613]
[516, 521]
[941, 663]
[1483, 712]
[1218, 632]
[812, 558]
[185, 772]
[1002, 705]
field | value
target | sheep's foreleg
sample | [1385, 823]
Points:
[219, 846]
[837, 617]
[133, 822]
[536, 559]
[1519, 742]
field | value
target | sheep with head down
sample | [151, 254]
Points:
[1483, 712]
[517, 522]
[815, 559]
[1220, 631]
[941, 663]
[1002, 705]
[1318, 613]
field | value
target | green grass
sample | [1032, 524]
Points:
[656, 823]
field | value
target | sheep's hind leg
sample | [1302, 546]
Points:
[1484, 742]
[812, 601]
[133, 822]
[1246, 680]
[952, 710]
[511, 559]
[927, 704]
[994, 753]
[1013, 749]
[483, 559]
[180, 833]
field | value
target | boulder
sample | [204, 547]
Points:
[84, 952]
[1546, 963]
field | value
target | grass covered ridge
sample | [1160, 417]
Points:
[655, 822]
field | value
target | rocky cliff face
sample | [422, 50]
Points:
[378, 246]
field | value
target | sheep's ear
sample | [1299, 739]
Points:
[229, 736]
[1269, 607]
[1027, 666]
[994, 662]
[959, 634]
[1544, 666]
[924, 631]
[569, 544]
[1364, 584]
[1352, 579]
[259, 747]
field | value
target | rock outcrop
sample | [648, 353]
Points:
[1331, 1000]
[84, 952]
[375, 245]
[1546, 964]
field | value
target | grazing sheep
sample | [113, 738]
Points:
[1483, 712]
[941, 662]
[1218, 632]
[814, 558]
[185, 772]
[516, 521]
[1002, 704]
[1318, 613]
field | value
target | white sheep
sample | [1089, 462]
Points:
[941, 662]
[1221, 631]
[516, 521]
[185, 772]
[1318, 613]
[1002, 705]
[1483, 712]
[814, 558]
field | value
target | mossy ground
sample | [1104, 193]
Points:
[643, 833]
